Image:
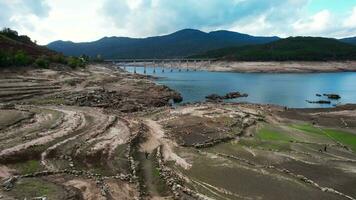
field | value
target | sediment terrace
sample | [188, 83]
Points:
[99, 133]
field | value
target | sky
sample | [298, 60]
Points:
[88, 20]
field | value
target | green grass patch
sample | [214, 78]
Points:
[343, 137]
[28, 167]
[307, 128]
[269, 134]
[34, 187]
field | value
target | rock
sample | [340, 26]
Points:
[177, 98]
[7, 106]
[318, 95]
[214, 97]
[234, 95]
[332, 96]
[230, 95]
[9, 183]
[40, 198]
[320, 102]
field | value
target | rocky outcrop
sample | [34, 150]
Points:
[230, 95]
[332, 96]
[319, 102]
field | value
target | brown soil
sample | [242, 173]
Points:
[85, 134]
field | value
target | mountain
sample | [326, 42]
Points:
[351, 40]
[292, 48]
[179, 44]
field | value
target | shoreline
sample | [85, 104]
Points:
[263, 67]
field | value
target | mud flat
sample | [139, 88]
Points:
[99, 133]
[269, 67]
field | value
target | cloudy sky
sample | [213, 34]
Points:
[88, 20]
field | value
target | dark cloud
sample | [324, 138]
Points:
[162, 16]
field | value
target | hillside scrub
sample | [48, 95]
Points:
[290, 49]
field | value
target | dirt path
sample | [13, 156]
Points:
[147, 172]
[155, 138]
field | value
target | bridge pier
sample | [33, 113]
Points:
[144, 69]
[134, 69]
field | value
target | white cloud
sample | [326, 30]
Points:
[83, 20]
[315, 24]
[350, 22]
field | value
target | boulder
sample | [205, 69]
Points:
[234, 95]
[230, 95]
[320, 102]
[332, 96]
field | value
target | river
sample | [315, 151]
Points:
[291, 90]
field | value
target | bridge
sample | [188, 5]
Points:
[175, 63]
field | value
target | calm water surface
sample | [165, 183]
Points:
[290, 90]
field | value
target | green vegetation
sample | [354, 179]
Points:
[42, 62]
[75, 62]
[267, 133]
[307, 128]
[293, 48]
[34, 187]
[28, 167]
[345, 138]
[18, 58]
[7, 32]
[19, 50]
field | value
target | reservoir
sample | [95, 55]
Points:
[291, 90]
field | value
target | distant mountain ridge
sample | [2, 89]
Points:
[289, 49]
[350, 40]
[182, 43]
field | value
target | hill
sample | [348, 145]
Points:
[179, 44]
[20, 50]
[293, 48]
[351, 40]
[10, 41]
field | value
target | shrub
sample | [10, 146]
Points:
[42, 62]
[58, 58]
[5, 59]
[74, 62]
[21, 59]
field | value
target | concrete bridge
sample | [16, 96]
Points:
[179, 64]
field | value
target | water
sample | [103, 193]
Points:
[291, 90]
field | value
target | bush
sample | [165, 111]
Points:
[75, 62]
[21, 59]
[58, 58]
[5, 59]
[42, 62]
